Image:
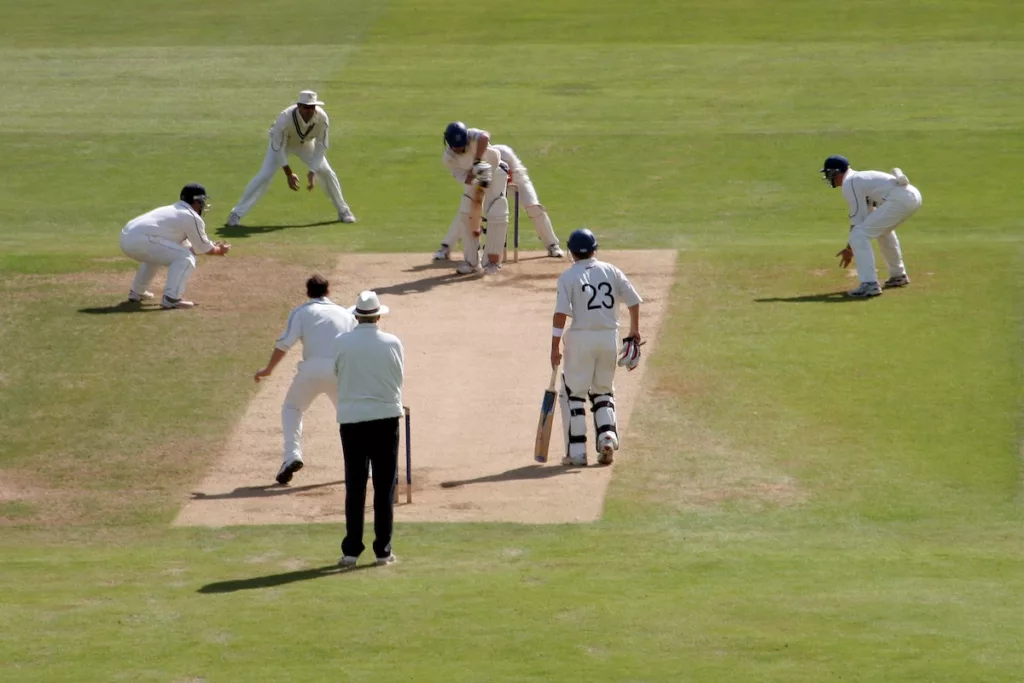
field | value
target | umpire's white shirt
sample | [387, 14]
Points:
[171, 225]
[590, 292]
[370, 365]
[318, 322]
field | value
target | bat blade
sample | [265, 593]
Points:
[477, 210]
[547, 417]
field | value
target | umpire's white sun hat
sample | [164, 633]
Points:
[368, 305]
[308, 97]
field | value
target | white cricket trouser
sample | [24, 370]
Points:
[495, 208]
[154, 252]
[880, 225]
[589, 360]
[314, 377]
[588, 368]
[519, 180]
[258, 186]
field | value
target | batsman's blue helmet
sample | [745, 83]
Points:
[582, 241]
[456, 135]
[835, 165]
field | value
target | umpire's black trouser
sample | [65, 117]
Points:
[364, 443]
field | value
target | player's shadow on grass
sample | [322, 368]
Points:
[244, 231]
[826, 298]
[272, 580]
[518, 474]
[264, 491]
[123, 307]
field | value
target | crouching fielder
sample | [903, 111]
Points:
[169, 236]
[318, 323]
[879, 203]
[589, 292]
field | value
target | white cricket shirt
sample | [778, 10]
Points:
[865, 189]
[590, 292]
[370, 365]
[290, 132]
[317, 323]
[174, 223]
[460, 164]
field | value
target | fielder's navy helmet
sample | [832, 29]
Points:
[582, 241]
[456, 134]
[193, 192]
[833, 166]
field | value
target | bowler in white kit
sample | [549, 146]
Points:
[461, 146]
[879, 203]
[169, 236]
[302, 130]
[590, 292]
[317, 323]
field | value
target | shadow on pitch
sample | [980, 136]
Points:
[423, 284]
[243, 231]
[518, 474]
[265, 491]
[123, 307]
[827, 298]
[272, 580]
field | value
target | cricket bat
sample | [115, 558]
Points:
[547, 417]
[477, 210]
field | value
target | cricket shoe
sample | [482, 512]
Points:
[607, 444]
[866, 290]
[568, 461]
[492, 268]
[390, 559]
[442, 254]
[284, 475]
[347, 561]
[466, 268]
[169, 304]
[555, 251]
[137, 298]
[234, 220]
[346, 215]
[898, 281]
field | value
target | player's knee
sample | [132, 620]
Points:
[536, 211]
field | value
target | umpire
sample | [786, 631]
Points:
[370, 367]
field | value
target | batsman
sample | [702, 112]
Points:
[590, 292]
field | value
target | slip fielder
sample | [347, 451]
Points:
[879, 202]
[302, 130]
[589, 292]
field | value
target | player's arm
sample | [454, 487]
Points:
[195, 234]
[563, 310]
[278, 138]
[482, 140]
[292, 333]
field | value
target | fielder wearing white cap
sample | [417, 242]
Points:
[302, 130]
[590, 292]
[370, 365]
[879, 203]
[317, 323]
[169, 236]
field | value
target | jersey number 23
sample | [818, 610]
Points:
[600, 296]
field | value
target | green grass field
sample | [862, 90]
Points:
[823, 492]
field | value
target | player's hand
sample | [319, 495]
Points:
[845, 257]
[224, 248]
[260, 374]
[310, 180]
[293, 182]
[556, 357]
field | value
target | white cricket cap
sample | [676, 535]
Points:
[308, 97]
